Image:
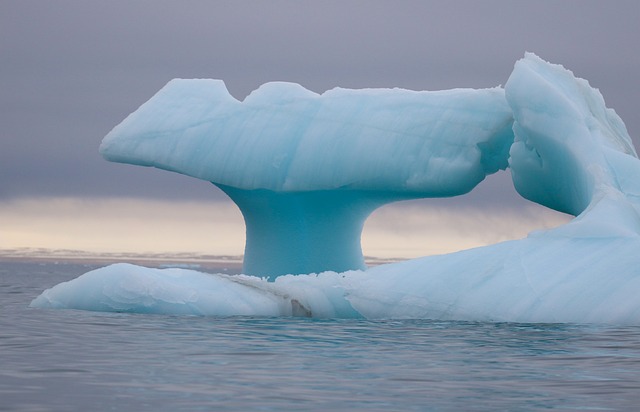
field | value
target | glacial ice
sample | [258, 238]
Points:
[569, 153]
[305, 169]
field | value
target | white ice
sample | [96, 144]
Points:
[570, 153]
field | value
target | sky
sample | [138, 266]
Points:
[72, 70]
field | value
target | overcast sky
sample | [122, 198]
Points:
[72, 70]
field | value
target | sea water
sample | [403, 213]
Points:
[65, 360]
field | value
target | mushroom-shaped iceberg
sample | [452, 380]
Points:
[570, 153]
[306, 169]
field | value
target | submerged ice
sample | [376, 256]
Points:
[567, 151]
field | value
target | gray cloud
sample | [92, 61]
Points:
[71, 70]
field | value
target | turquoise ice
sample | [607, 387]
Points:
[568, 152]
[305, 169]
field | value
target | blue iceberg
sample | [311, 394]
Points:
[306, 170]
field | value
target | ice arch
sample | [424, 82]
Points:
[570, 153]
[307, 169]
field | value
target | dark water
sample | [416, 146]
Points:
[73, 360]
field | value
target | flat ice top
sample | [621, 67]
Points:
[284, 137]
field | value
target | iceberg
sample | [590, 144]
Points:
[568, 151]
[306, 170]
[572, 154]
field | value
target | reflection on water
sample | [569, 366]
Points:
[74, 360]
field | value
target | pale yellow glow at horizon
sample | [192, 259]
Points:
[217, 228]
[122, 225]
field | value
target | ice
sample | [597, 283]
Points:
[285, 138]
[569, 153]
[134, 289]
[307, 169]
[569, 149]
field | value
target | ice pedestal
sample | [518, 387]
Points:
[302, 232]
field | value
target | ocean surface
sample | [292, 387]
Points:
[67, 360]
